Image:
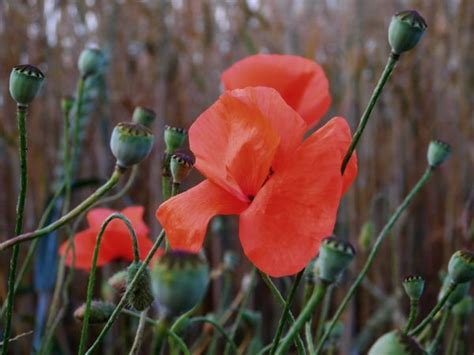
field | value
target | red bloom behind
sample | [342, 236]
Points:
[249, 145]
[116, 242]
[300, 81]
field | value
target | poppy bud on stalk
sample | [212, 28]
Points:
[181, 165]
[131, 143]
[396, 343]
[25, 83]
[335, 255]
[405, 31]
[91, 61]
[141, 297]
[414, 286]
[118, 281]
[180, 280]
[438, 152]
[100, 312]
[144, 116]
[174, 138]
[461, 266]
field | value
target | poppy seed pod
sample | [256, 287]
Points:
[181, 165]
[67, 102]
[91, 61]
[335, 255]
[414, 286]
[457, 295]
[174, 138]
[396, 343]
[144, 116]
[118, 281]
[438, 152]
[141, 297]
[461, 266]
[25, 83]
[100, 312]
[405, 31]
[131, 143]
[180, 280]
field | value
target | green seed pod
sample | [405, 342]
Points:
[67, 102]
[118, 281]
[461, 266]
[396, 343]
[142, 296]
[181, 165]
[180, 280]
[25, 83]
[438, 152]
[464, 307]
[174, 138]
[335, 256]
[366, 235]
[91, 61]
[131, 143]
[405, 31]
[414, 286]
[457, 295]
[144, 116]
[100, 312]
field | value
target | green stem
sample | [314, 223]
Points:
[20, 207]
[179, 341]
[218, 328]
[392, 61]
[452, 286]
[284, 314]
[412, 316]
[77, 117]
[304, 316]
[433, 348]
[160, 334]
[309, 337]
[88, 202]
[324, 312]
[123, 301]
[137, 342]
[174, 189]
[90, 285]
[454, 335]
[67, 161]
[373, 253]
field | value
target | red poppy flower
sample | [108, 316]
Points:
[116, 242]
[300, 81]
[249, 145]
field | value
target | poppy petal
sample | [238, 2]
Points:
[185, 217]
[234, 145]
[285, 121]
[282, 229]
[300, 81]
[337, 133]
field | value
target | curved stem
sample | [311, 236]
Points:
[304, 316]
[87, 203]
[392, 61]
[90, 285]
[284, 314]
[179, 341]
[218, 328]
[124, 189]
[373, 253]
[20, 207]
[412, 316]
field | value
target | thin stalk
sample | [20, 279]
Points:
[90, 285]
[324, 312]
[392, 61]
[137, 342]
[412, 316]
[179, 341]
[174, 188]
[126, 295]
[77, 117]
[284, 314]
[452, 286]
[304, 316]
[309, 337]
[373, 253]
[219, 328]
[123, 190]
[88, 202]
[161, 330]
[20, 207]
[433, 348]
[454, 335]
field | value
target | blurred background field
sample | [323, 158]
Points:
[168, 55]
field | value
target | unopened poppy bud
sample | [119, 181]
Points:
[438, 152]
[131, 143]
[174, 138]
[181, 165]
[366, 235]
[67, 102]
[396, 343]
[180, 280]
[461, 266]
[414, 286]
[25, 83]
[405, 31]
[144, 116]
[464, 308]
[91, 61]
[142, 296]
[335, 255]
[461, 290]
[118, 281]
[100, 312]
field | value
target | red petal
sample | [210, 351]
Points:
[281, 230]
[234, 145]
[338, 134]
[97, 216]
[284, 120]
[185, 217]
[301, 82]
